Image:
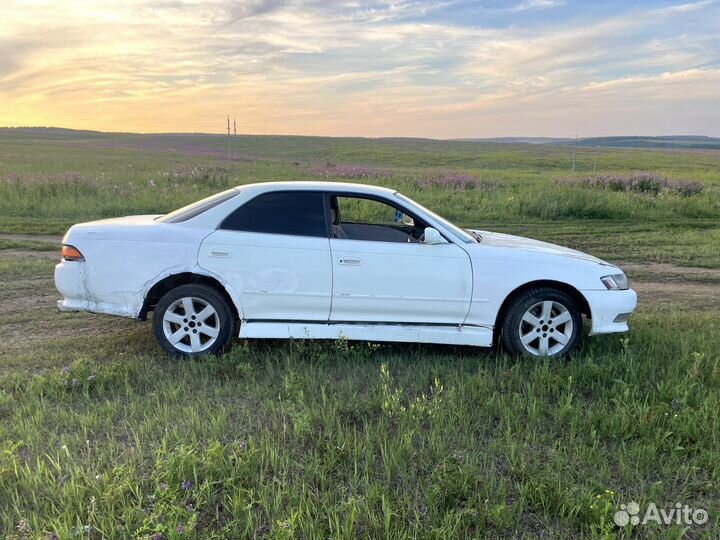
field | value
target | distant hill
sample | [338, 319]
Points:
[669, 141]
[511, 155]
[664, 141]
[520, 140]
[52, 133]
[258, 145]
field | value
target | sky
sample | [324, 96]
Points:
[438, 69]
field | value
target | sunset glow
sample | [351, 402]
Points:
[406, 68]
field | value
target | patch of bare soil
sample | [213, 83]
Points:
[18, 237]
[691, 295]
[28, 313]
[24, 336]
[26, 295]
[666, 269]
[30, 254]
[686, 286]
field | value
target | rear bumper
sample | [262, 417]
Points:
[610, 310]
[72, 283]
[69, 305]
[64, 306]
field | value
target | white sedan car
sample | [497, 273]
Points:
[335, 260]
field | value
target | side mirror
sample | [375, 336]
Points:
[432, 236]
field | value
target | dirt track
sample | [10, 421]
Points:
[28, 309]
[17, 237]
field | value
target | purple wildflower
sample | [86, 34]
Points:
[349, 171]
[180, 528]
[156, 536]
[452, 180]
[647, 183]
[65, 371]
[186, 485]
[163, 486]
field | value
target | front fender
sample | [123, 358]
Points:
[495, 281]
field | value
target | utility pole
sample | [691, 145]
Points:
[595, 162]
[234, 138]
[228, 132]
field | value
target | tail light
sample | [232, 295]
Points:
[71, 253]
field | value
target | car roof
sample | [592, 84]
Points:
[263, 187]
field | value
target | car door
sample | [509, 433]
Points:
[384, 273]
[274, 251]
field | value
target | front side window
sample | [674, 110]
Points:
[359, 218]
[462, 234]
[296, 213]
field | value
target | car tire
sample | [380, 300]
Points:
[542, 322]
[193, 320]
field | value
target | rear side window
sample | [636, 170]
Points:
[297, 213]
[195, 209]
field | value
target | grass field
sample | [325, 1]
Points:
[102, 436]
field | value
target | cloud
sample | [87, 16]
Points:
[537, 4]
[251, 8]
[348, 67]
[686, 8]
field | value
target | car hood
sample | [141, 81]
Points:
[509, 241]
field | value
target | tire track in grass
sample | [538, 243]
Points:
[19, 237]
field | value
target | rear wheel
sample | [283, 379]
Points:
[193, 320]
[542, 322]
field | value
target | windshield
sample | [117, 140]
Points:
[462, 234]
[195, 209]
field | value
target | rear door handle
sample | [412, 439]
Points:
[221, 253]
[350, 261]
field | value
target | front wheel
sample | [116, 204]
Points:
[542, 322]
[193, 320]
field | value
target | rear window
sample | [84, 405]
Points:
[195, 209]
[296, 213]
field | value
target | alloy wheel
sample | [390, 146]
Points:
[191, 324]
[546, 328]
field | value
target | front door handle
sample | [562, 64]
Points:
[350, 261]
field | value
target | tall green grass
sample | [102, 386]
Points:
[74, 196]
[317, 440]
[99, 176]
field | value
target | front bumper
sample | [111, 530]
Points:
[610, 309]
